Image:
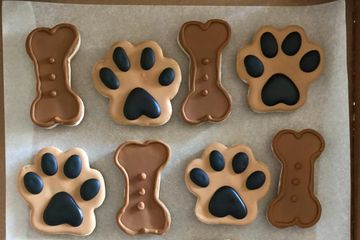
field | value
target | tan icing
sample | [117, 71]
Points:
[51, 51]
[226, 177]
[141, 164]
[137, 77]
[296, 203]
[207, 100]
[58, 183]
[281, 63]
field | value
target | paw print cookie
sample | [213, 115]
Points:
[228, 183]
[139, 81]
[62, 191]
[279, 66]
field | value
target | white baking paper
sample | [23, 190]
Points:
[326, 110]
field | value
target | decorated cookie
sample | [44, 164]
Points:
[207, 99]
[228, 183]
[139, 81]
[296, 203]
[279, 66]
[51, 50]
[62, 191]
[142, 164]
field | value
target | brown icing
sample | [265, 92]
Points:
[227, 177]
[296, 203]
[278, 63]
[203, 43]
[142, 163]
[51, 50]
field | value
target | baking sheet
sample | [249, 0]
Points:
[326, 110]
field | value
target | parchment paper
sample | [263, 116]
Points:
[326, 110]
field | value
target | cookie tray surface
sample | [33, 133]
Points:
[326, 110]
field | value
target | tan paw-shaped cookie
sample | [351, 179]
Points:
[279, 66]
[228, 182]
[62, 191]
[139, 81]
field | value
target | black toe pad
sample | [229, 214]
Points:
[33, 183]
[89, 189]
[199, 177]
[72, 167]
[49, 164]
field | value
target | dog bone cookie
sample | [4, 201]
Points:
[51, 50]
[295, 203]
[142, 164]
[207, 100]
[279, 66]
[228, 183]
[62, 191]
[139, 81]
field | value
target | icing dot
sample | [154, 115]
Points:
[141, 206]
[298, 165]
[293, 198]
[142, 191]
[295, 181]
[142, 176]
[51, 60]
[205, 77]
[52, 76]
[204, 92]
[53, 93]
[205, 61]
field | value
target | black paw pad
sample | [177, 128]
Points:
[217, 161]
[49, 164]
[254, 66]
[109, 79]
[269, 46]
[240, 162]
[199, 177]
[121, 59]
[310, 61]
[255, 180]
[147, 60]
[140, 102]
[226, 201]
[62, 209]
[89, 189]
[33, 183]
[166, 77]
[291, 43]
[72, 167]
[279, 89]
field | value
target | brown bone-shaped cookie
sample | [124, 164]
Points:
[51, 50]
[142, 163]
[203, 43]
[295, 203]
